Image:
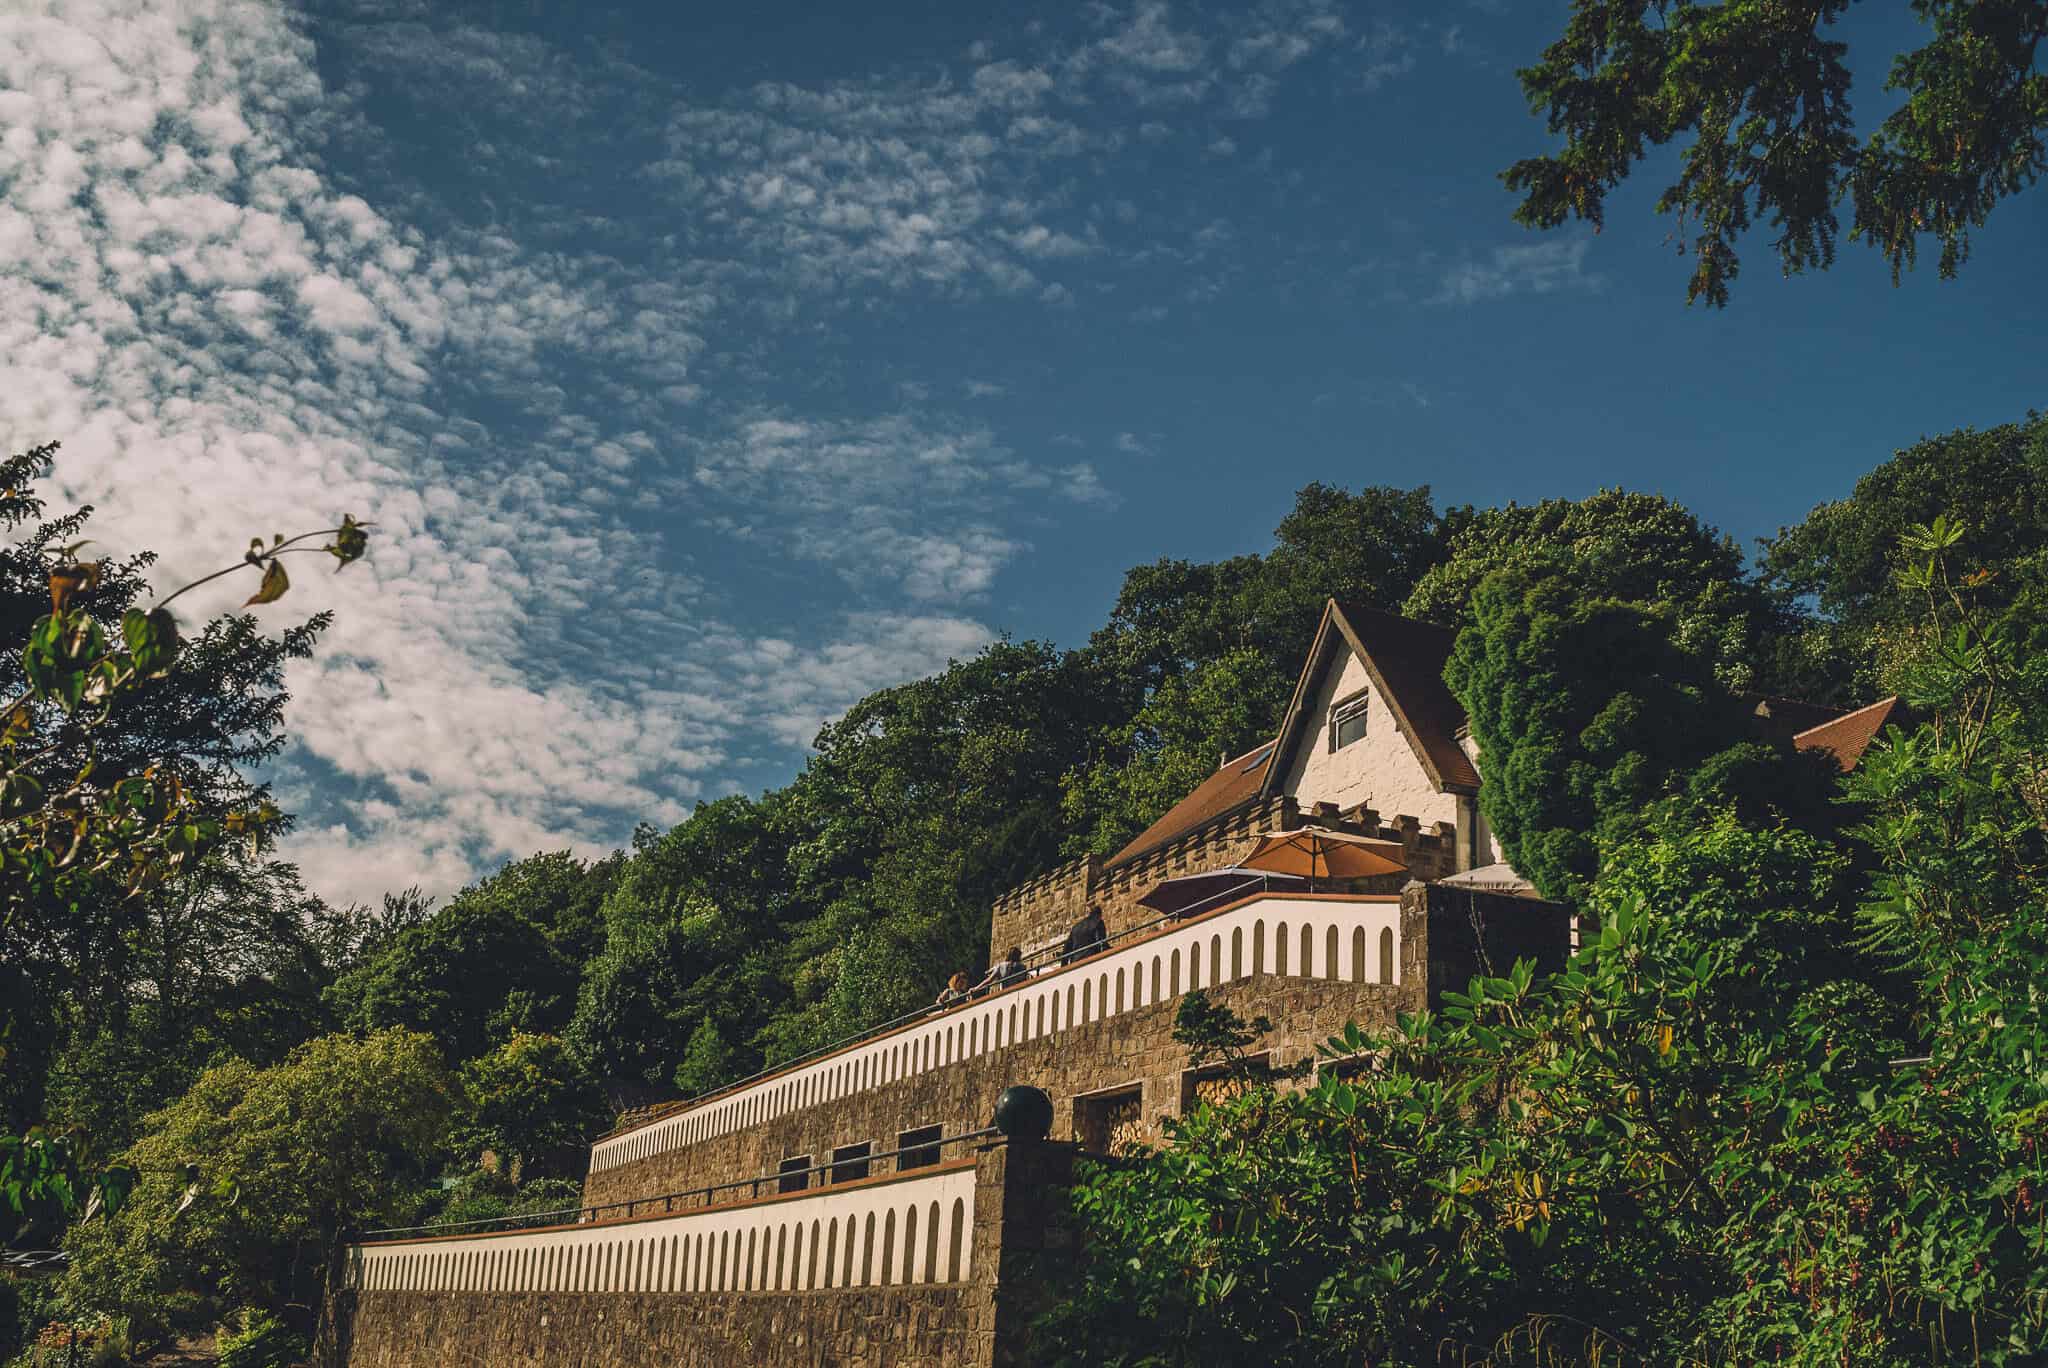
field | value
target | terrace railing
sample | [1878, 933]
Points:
[1331, 936]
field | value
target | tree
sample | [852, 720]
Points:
[504, 955]
[1765, 95]
[530, 1102]
[1222, 707]
[344, 1133]
[1371, 547]
[1846, 554]
[1638, 547]
[1585, 713]
[707, 1062]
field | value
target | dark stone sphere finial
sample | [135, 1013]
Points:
[1024, 1113]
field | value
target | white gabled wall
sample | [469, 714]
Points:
[1380, 772]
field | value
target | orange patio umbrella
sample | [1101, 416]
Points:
[1317, 854]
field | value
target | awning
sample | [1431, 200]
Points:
[1501, 880]
[1213, 888]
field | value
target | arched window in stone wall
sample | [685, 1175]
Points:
[1387, 954]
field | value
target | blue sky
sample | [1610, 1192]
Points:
[706, 370]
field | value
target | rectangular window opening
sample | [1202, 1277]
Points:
[850, 1162]
[794, 1173]
[919, 1146]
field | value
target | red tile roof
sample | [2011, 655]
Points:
[1235, 783]
[1848, 736]
[1409, 657]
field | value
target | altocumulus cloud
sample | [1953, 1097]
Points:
[227, 342]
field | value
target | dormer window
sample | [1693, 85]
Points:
[1347, 721]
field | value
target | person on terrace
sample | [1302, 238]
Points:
[954, 991]
[1004, 972]
[1088, 936]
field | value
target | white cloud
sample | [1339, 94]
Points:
[1536, 268]
[228, 344]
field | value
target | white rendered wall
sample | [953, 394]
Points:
[1346, 939]
[917, 1229]
[1379, 771]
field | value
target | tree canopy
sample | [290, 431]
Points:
[1762, 93]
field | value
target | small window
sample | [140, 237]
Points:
[1347, 722]
[919, 1148]
[794, 1173]
[850, 1162]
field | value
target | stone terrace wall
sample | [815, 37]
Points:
[1022, 1241]
[1133, 1046]
[1036, 914]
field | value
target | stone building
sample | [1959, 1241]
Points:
[852, 1207]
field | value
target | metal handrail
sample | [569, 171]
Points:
[1043, 959]
[589, 1214]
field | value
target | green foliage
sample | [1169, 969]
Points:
[707, 1062]
[341, 1134]
[1370, 547]
[1845, 554]
[1616, 544]
[504, 955]
[1585, 713]
[532, 1104]
[1221, 708]
[256, 1338]
[1764, 92]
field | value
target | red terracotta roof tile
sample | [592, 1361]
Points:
[1848, 736]
[1235, 783]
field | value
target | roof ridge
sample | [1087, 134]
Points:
[1884, 702]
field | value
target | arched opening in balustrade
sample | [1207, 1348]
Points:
[1102, 995]
[1280, 949]
[1119, 991]
[956, 1240]
[1386, 954]
[1259, 946]
[852, 1232]
[931, 1244]
[1071, 1020]
[867, 1251]
[889, 1247]
[910, 1244]
[1041, 1015]
[1330, 962]
[811, 1261]
[1308, 952]
[1087, 1000]
[1155, 980]
[1216, 960]
[1173, 974]
[831, 1250]
[781, 1256]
